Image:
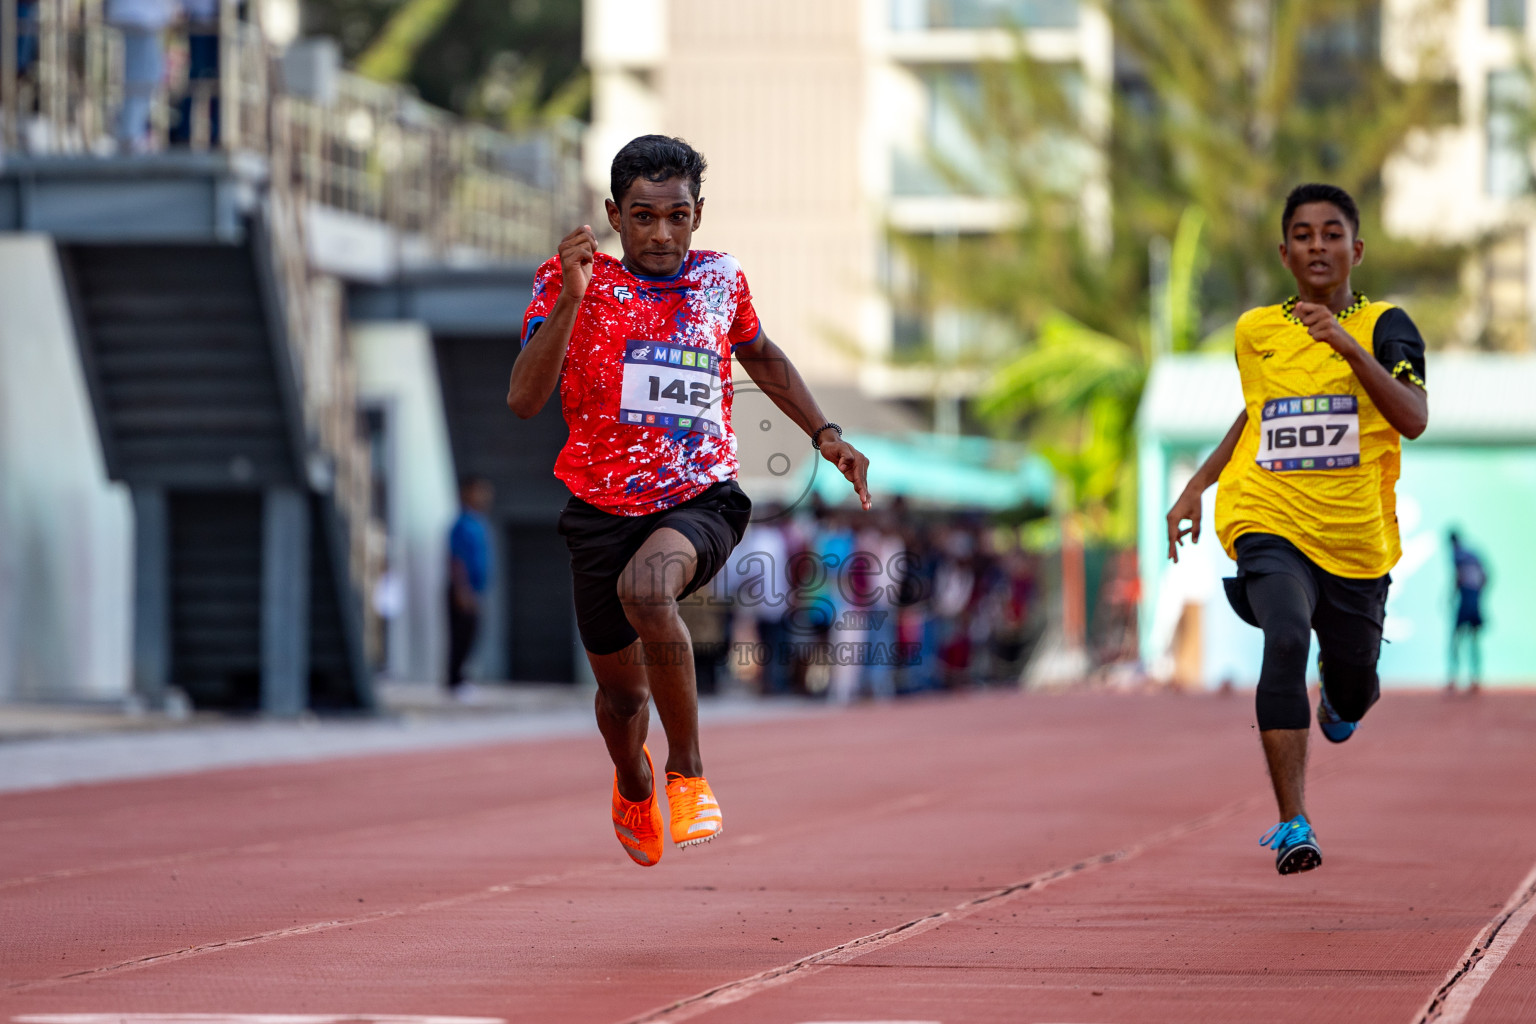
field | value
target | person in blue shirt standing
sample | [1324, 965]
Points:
[469, 575]
[1471, 577]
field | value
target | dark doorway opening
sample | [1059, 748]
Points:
[518, 458]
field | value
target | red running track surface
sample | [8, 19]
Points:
[873, 868]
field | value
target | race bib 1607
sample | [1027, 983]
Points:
[1317, 433]
[671, 386]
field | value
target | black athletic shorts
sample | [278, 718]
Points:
[1348, 613]
[602, 544]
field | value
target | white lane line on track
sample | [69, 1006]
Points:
[155, 959]
[1453, 1000]
[744, 988]
[898, 805]
[246, 1018]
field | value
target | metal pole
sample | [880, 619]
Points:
[10, 109]
[229, 76]
[46, 68]
[92, 75]
[151, 596]
[285, 571]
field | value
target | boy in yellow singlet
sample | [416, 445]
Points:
[1306, 503]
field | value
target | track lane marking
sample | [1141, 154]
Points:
[744, 988]
[407, 827]
[247, 1018]
[899, 805]
[1453, 1000]
[311, 928]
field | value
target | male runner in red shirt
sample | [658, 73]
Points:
[641, 349]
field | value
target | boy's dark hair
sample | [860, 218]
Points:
[1315, 192]
[656, 158]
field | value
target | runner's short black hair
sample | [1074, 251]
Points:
[656, 158]
[1315, 192]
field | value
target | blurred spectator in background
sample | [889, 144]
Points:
[954, 585]
[1467, 599]
[388, 600]
[197, 113]
[707, 618]
[142, 24]
[760, 569]
[917, 621]
[1011, 631]
[835, 545]
[26, 36]
[1114, 640]
[874, 576]
[469, 576]
[846, 604]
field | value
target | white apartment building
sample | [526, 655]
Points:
[1471, 182]
[817, 117]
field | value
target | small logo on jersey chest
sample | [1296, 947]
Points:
[714, 297]
[622, 293]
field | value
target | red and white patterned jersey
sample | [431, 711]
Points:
[646, 385]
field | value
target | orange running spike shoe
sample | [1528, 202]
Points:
[638, 825]
[695, 811]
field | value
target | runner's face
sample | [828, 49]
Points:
[1320, 249]
[656, 223]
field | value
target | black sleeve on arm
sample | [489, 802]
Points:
[1399, 346]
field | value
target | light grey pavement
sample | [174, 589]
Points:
[43, 746]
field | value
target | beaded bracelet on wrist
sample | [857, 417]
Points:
[816, 434]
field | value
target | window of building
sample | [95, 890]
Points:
[953, 100]
[920, 15]
[955, 159]
[1506, 13]
[1509, 133]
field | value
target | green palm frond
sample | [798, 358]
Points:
[1069, 367]
[390, 56]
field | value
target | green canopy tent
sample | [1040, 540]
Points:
[937, 471]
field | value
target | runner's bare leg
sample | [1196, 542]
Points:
[624, 716]
[648, 588]
[1286, 752]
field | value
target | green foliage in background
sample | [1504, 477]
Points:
[511, 63]
[1219, 108]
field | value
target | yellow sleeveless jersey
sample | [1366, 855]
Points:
[1316, 463]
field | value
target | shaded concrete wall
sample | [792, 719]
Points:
[66, 532]
[396, 368]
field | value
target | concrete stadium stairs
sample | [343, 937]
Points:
[245, 597]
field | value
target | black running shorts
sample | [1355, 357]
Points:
[1348, 613]
[602, 544]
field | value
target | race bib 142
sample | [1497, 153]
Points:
[1321, 432]
[671, 386]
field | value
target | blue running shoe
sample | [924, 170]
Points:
[1295, 846]
[1334, 728]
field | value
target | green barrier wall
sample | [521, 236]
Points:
[1487, 492]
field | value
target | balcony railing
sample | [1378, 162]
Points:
[456, 190]
[452, 192]
[928, 15]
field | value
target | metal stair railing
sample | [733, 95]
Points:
[451, 192]
[338, 465]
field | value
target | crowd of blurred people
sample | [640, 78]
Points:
[147, 31]
[824, 601]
